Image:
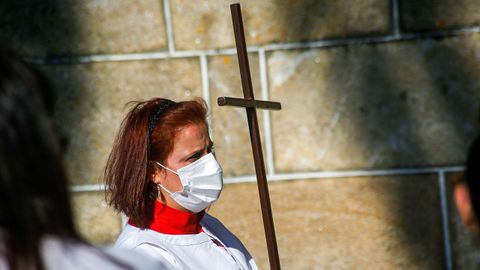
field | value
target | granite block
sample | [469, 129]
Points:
[43, 28]
[96, 221]
[208, 24]
[403, 104]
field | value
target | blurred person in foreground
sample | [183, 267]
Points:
[467, 190]
[36, 226]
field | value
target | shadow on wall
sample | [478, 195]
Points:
[450, 64]
[47, 29]
[427, 15]
[452, 68]
[414, 104]
[302, 20]
[310, 20]
[39, 28]
[432, 90]
[389, 127]
[42, 29]
[357, 99]
[408, 104]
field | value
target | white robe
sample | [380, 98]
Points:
[61, 254]
[214, 248]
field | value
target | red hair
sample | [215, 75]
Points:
[128, 185]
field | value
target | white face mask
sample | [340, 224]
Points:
[202, 183]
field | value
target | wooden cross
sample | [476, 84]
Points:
[250, 105]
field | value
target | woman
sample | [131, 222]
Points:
[163, 175]
[36, 226]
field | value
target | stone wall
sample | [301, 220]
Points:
[380, 102]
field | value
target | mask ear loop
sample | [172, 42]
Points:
[160, 187]
[170, 170]
[159, 193]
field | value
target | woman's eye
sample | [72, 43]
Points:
[194, 157]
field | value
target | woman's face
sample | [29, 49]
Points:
[191, 143]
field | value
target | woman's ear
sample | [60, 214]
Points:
[461, 195]
[157, 175]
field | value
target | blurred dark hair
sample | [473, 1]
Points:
[34, 198]
[472, 175]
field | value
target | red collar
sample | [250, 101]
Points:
[167, 220]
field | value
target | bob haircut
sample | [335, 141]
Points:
[139, 141]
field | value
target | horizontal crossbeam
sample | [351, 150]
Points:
[248, 103]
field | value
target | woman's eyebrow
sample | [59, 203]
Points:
[199, 151]
[194, 153]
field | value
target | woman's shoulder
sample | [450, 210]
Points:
[212, 224]
[216, 228]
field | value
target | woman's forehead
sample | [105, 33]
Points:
[189, 138]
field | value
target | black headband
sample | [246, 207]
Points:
[157, 112]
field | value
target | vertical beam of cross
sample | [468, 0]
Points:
[250, 105]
